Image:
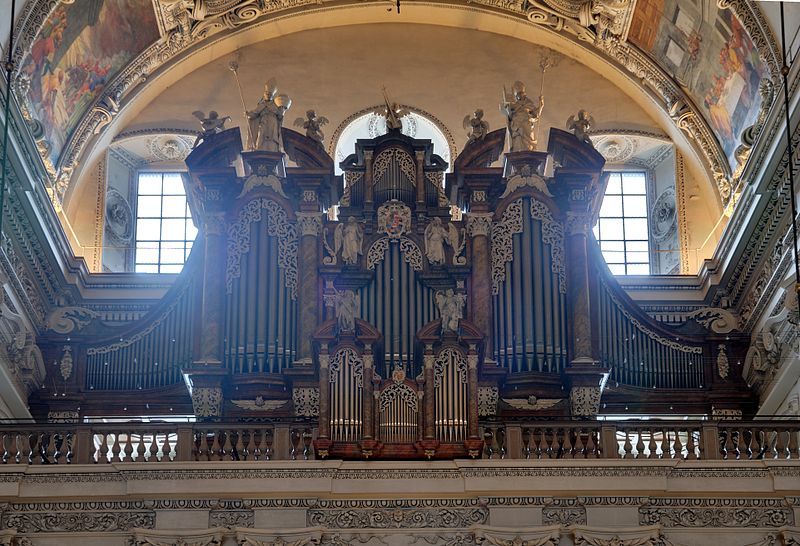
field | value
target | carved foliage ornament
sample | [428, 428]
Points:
[64, 320]
[207, 401]
[487, 401]
[306, 401]
[412, 255]
[502, 242]
[585, 401]
[553, 235]
[397, 157]
[449, 356]
[716, 513]
[278, 225]
[356, 364]
[398, 391]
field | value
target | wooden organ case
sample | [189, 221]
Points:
[434, 304]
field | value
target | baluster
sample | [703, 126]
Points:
[267, 449]
[639, 444]
[128, 450]
[580, 444]
[501, 442]
[488, 448]
[103, 452]
[543, 445]
[792, 443]
[140, 449]
[666, 445]
[652, 445]
[33, 447]
[591, 445]
[152, 451]
[227, 448]
[198, 453]
[215, 452]
[167, 448]
[294, 440]
[250, 450]
[627, 447]
[567, 446]
[745, 443]
[677, 446]
[731, 441]
[58, 444]
[7, 444]
[526, 443]
[781, 444]
[307, 451]
[116, 448]
[552, 449]
[68, 439]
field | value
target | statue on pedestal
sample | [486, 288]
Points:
[451, 308]
[210, 125]
[266, 120]
[394, 113]
[522, 114]
[436, 236]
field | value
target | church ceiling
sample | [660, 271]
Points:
[81, 64]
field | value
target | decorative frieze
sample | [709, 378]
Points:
[669, 512]
[60, 521]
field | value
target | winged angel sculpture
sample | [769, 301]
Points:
[349, 238]
[312, 124]
[581, 125]
[436, 236]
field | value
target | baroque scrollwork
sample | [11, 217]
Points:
[306, 401]
[64, 320]
[553, 235]
[412, 255]
[502, 242]
[355, 362]
[207, 401]
[278, 225]
[716, 513]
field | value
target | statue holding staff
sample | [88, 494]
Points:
[266, 120]
[522, 114]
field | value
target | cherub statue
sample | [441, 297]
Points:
[478, 128]
[349, 237]
[451, 308]
[266, 120]
[581, 125]
[436, 236]
[211, 125]
[346, 304]
[312, 125]
[522, 115]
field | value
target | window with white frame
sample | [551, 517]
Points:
[622, 229]
[164, 228]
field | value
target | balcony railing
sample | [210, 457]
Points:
[179, 442]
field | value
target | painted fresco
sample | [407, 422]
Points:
[79, 49]
[712, 57]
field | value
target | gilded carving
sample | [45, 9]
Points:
[502, 242]
[207, 401]
[585, 401]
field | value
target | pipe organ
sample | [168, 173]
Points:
[396, 329]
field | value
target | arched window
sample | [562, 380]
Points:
[369, 124]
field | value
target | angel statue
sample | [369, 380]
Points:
[312, 125]
[451, 308]
[522, 115]
[436, 236]
[346, 303]
[581, 125]
[210, 125]
[478, 128]
[349, 238]
[265, 121]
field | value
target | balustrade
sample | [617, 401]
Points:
[209, 442]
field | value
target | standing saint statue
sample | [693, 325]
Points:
[349, 238]
[522, 114]
[435, 237]
[451, 308]
[346, 303]
[266, 120]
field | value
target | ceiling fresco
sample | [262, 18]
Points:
[79, 48]
[82, 62]
[710, 54]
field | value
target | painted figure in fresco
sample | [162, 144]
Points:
[349, 238]
[266, 120]
[451, 308]
[522, 115]
[345, 304]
